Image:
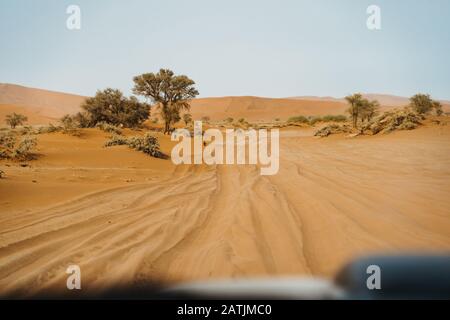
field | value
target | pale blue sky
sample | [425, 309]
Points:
[230, 47]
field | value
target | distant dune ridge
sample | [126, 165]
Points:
[44, 106]
[40, 106]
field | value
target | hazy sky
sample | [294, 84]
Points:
[230, 47]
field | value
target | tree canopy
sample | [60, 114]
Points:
[111, 106]
[423, 104]
[15, 119]
[172, 93]
[361, 108]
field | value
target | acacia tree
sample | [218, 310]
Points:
[356, 101]
[361, 108]
[421, 103]
[170, 92]
[15, 119]
[369, 109]
[424, 104]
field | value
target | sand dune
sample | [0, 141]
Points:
[261, 109]
[333, 199]
[41, 106]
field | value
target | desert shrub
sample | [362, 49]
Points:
[205, 119]
[332, 129]
[242, 124]
[83, 120]
[229, 120]
[147, 144]
[24, 149]
[7, 139]
[69, 125]
[11, 149]
[334, 118]
[108, 128]
[2, 174]
[27, 130]
[298, 119]
[187, 118]
[394, 120]
[15, 119]
[49, 129]
[116, 140]
[314, 120]
[421, 103]
[7, 142]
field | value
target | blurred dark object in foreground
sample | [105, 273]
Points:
[405, 277]
[402, 277]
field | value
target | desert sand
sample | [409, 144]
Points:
[127, 218]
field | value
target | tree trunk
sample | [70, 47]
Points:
[166, 127]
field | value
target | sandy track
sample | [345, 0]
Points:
[332, 199]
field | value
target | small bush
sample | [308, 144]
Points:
[15, 119]
[187, 118]
[2, 174]
[314, 120]
[7, 142]
[24, 149]
[70, 126]
[298, 119]
[116, 140]
[334, 118]
[394, 120]
[108, 128]
[332, 129]
[147, 144]
[49, 129]
[11, 149]
[27, 130]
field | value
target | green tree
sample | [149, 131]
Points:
[172, 93]
[15, 119]
[356, 103]
[368, 109]
[421, 103]
[111, 106]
